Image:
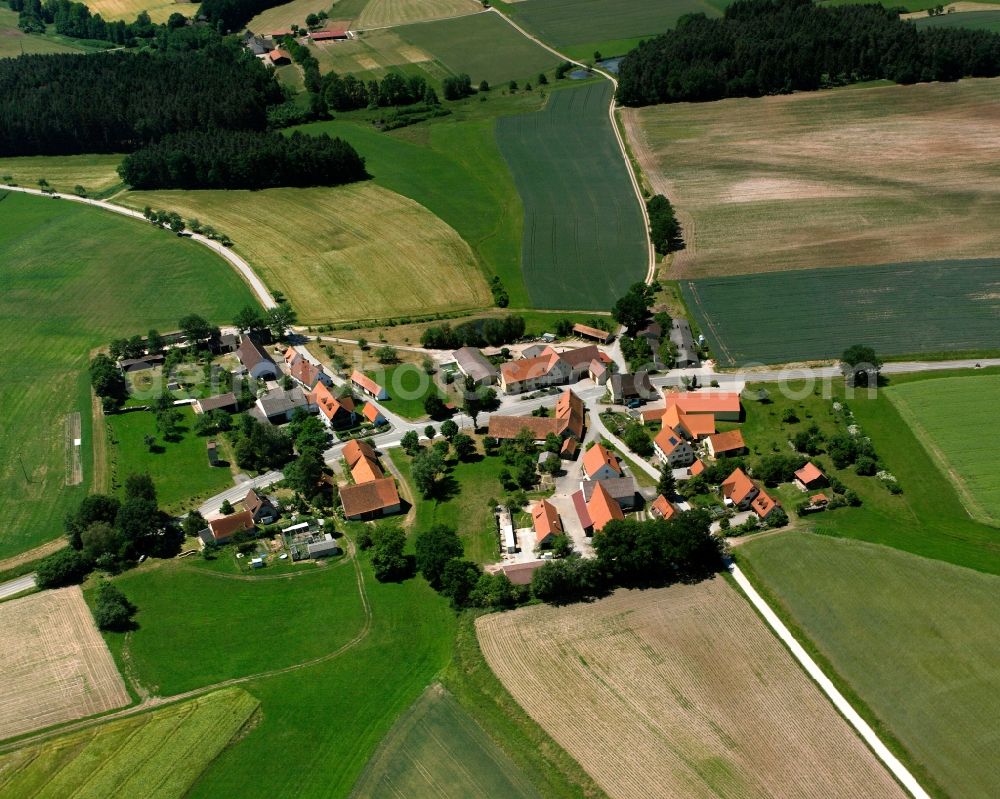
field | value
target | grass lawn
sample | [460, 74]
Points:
[408, 386]
[96, 173]
[954, 418]
[815, 314]
[231, 626]
[74, 278]
[436, 749]
[135, 755]
[464, 504]
[340, 253]
[786, 183]
[584, 237]
[915, 638]
[180, 469]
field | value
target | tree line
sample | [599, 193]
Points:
[348, 93]
[474, 333]
[763, 47]
[242, 159]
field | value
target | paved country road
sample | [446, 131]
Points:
[17, 585]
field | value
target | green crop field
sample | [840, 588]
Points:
[231, 625]
[915, 638]
[583, 24]
[436, 749]
[96, 173]
[584, 235]
[977, 20]
[180, 469]
[954, 419]
[14, 42]
[899, 309]
[158, 755]
[74, 278]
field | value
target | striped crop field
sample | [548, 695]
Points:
[951, 417]
[584, 236]
[977, 20]
[157, 755]
[815, 314]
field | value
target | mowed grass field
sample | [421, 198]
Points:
[96, 173]
[15, 42]
[436, 749]
[899, 309]
[956, 419]
[128, 10]
[585, 240]
[680, 691]
[977, 20]
[340, 253]
[180, 469]
[55, 664]
[795, 182]
[158, 755]
[915, 638]
[388, 13]
[74, 278]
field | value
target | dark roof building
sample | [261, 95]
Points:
[472, 363]
[225, 402]
[256, 360]
[625, 387]
[680, 335]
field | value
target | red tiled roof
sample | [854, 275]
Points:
[355, 450]
[568, 448]
[377, 495]
[366, 470]
[545, 519]
[703, 401]
[737, 486]
[328, 404]
[320, 36]
[225, 526]
[569, 411]
[662, 508]
[521, 573]
[819, 499]
[697, 467]
[694, 425]
[580, 505]
[582, 356]
[291, 356]
[602, 508]
[528, 368]
[371, 412]
[763, 504]
[598, 456]
[305, 372]
[363, 381]
[592, 332]
[808, 474]
[727, 442]
[667, 440]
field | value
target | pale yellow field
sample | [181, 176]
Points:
[55, 665]
[374, 52]
[679, 692]
[387, 13]
[281, 18]
[128, 10]
[351, 252]
[96, 173]
[846, 177]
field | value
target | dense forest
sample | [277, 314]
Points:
[775, 46]
[242, 160]
[346, 93]
[119, 101]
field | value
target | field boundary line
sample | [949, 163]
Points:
[896, 768]
[419, 22]
[243, 269]
[651, 251]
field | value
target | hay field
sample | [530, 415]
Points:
[281, 18]
[55, 665]
[915, 638]
[128, 10]
[340, 253]
[437, 750]
[833, 178]
[96, 173]
[584, 236]
[372, 54]
[951, 417]
[388, 13]
[680, 691]
[815, 314]
[157, 755]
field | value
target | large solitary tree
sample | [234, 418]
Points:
[860, 366]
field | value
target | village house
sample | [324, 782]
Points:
[355, 450]
[566, 422]
[260, 507]
[763, 505]
[726, 445]
[279, 404]
[621, 489]
[372, 414]
[627, 387]
[220, 530]
[809, 477]
[662, 508]
[366, 470]
[672, 449]
[336, 412]
[599, 463]
[304, 372]
[598, 335]
[693, 426]
[549, 368]
[739, 490]
[472, 363]
[256, 361]
[365, 384]
[598, 511]
[725, 406]
[545, 520]
[370, 500]
[683, 341]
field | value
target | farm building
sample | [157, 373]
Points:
[739, 490]
[364, 383]
[692, 426]
[683, 340]
[602, 508]
[223, 402]
[549, 368]
[335, 412]
[662, 508]
[222, 529]
[260, 507]
[566, 423]
[140, 364]
[725, 406]
[809, 477]
[600, 463]
[333, 35]
[472, 363]
[521, 573]
[545, 520]
[279, 404]
[626, 387]
[598, 372]
[594, 333]
[726, 445]
[673, 449]
[280, 57]
[370, 500]
[355, 450]
[213, 453]
[621, 489]
[372, 413]
[256, 361]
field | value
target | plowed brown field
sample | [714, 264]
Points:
[679, 692]
[54, 663]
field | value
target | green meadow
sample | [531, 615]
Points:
[977, 20]
[74, 278]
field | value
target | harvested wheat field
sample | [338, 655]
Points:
[55, 665]
[128, 10]
[340, 253]
[679, 692]
[386, 13]
[852, 176]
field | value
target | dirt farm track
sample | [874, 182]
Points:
[679, 692]
[55, 665]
